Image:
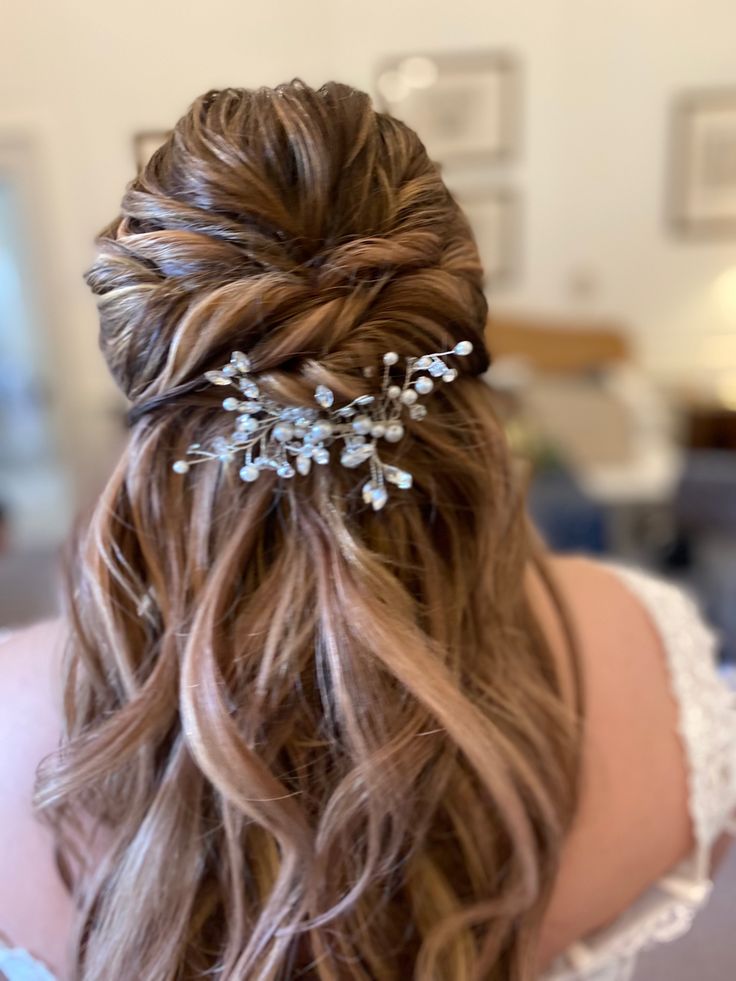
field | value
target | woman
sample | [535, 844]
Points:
[328, 710]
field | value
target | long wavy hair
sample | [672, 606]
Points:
[311, 740]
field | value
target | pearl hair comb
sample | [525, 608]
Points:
[290, 439]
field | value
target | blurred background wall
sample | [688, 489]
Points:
[80, 78]
[620, 395]
[595, 248]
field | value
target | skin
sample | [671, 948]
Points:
[632, 825]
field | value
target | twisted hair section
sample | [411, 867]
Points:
[316, 741]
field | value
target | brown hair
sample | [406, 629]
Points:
[320, 742]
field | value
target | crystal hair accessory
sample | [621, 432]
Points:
[290, 439]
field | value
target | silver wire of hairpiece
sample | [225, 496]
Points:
[289, 439]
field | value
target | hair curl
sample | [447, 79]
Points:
[318, 742]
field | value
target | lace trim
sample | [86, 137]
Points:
[707, 708]
[610, 954]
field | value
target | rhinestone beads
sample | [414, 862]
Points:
[288, 439]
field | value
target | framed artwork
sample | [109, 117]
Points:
[464, 107]
[702, 185]
[145, 144]
[494, 216]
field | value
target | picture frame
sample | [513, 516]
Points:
[145, 145]
[702, 168]
[494, 214]
[464, 106]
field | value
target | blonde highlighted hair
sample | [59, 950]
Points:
[319, 742]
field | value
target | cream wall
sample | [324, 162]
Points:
[599, 78]
[81, 77]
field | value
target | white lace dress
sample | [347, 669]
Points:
[708, 732]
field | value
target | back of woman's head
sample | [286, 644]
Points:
[321, 741]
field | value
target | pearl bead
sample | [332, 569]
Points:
[362, 425]
[378, 430]
[463, 348]
[394, 432]
[181, 466]
[409, 397]
[321, 430]
[231, 404]
[283, 432]
[390, 358]
[450, 375]
[424, 385]
[249, 473]
[393, 391]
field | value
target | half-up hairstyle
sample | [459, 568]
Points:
[316, 741]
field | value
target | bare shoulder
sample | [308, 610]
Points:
[32, 900]
[30, 692]
[633, 823]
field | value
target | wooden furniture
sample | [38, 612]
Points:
[710, 427]
[557, 346]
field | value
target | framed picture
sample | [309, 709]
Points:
[146, 143]
[464, 107]
[494, 216]
[702, 186]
